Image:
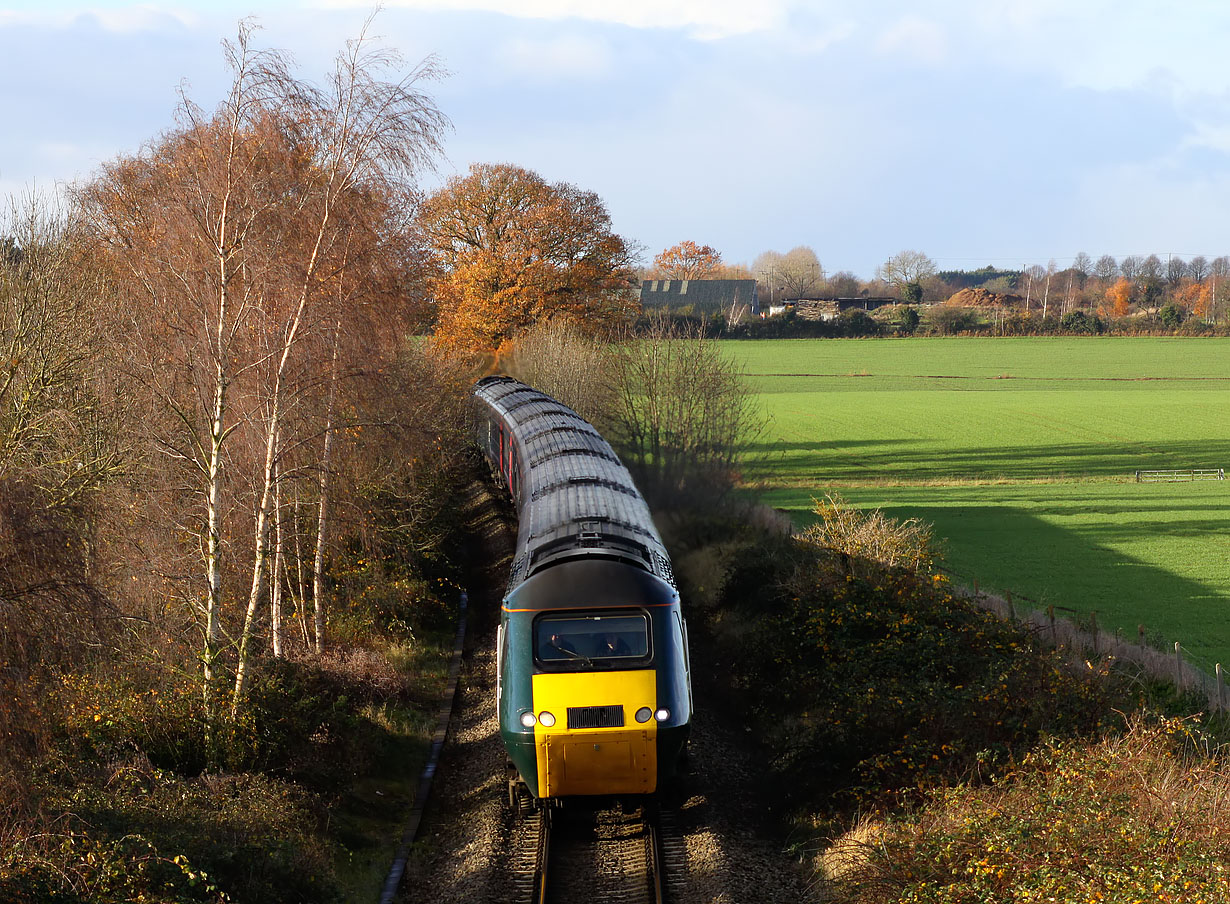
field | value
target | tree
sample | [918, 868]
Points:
[1198, 268]
[904, 268]
[1083, 266]
[1176, 271]
[1129, 267]
[1106, 268]
[682, 415]
[1119, 297]
[252, 236]
[687, 260]
[510, 250]
[844, 284]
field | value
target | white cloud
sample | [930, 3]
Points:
[558, 58]
[703, 19]
[120, 19]
[915, 38]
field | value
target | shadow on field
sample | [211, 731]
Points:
[1013, 549]
[822, 462]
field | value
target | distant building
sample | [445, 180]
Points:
[830, 308]
[703, 296]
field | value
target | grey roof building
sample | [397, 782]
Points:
[704, 296]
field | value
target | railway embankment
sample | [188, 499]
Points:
[925, 749]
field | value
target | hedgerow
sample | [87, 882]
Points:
[1129, 819]
[866, 681]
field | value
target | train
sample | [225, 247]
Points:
[593, 678]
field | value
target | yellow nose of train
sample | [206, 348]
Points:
[595, 744]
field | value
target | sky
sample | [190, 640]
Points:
[1001, 132]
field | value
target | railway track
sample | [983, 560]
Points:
[595, 855]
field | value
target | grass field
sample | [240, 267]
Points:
[1022, 453]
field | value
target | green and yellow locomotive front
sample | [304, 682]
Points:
[594, 691]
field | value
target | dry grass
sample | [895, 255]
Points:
[871, 535]
[1132, 818]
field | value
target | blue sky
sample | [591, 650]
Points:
[1006, 132]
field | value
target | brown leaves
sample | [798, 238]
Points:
[688, 260]
[511, 250]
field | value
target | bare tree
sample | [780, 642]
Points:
[1198, 268]
[1106, 269]
[906, 267]
[568, 365]
[1082, 264]
[683, 415]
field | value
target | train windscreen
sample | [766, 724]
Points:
[589, 639]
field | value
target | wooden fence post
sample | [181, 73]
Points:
[1140, 634]
[1221, 689]
[1050, 616]
[1011, 608]
[1093, 629]
[1178, 665]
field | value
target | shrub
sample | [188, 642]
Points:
[1080, 322]
[1119, 821]
[870, 536]
[866, 681]
[135, 830]
[1171, 315]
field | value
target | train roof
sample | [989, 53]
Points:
[577, 499]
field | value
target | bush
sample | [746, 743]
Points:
[866, 681]
[946, 321]
[871, 537]
[1080, 322]
[1171, 315]
[138, 830]
[1120, 821]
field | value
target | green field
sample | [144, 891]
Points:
[1022, 453]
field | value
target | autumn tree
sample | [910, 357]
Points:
[1106, 268]
[63, 442]
[1119, 297]
[250, 236]
[687, 260]
[510, 249]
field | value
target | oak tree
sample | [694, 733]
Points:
[687, 260]
[510, 250]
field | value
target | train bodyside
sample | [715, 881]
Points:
[593, 674]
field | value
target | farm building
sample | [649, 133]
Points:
[829, 308]
[703, 296]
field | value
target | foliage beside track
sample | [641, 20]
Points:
[1124, 820]
[867, 681]
[929, 751]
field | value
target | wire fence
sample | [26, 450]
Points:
[1080, 634]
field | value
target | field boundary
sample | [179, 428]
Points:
[1091, 643]
[1180, 474]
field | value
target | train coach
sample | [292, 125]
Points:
[593, 680]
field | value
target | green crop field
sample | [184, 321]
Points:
[1022, 453]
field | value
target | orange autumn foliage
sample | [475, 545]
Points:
[687, 260]
[1119, 298]
[510, 250]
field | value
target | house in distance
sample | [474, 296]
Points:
[703, 297]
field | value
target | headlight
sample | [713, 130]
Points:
[528, 720]
[546, 719]
[662, 715]
[644, 714]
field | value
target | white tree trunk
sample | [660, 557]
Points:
[275, 589]
[322, 524]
